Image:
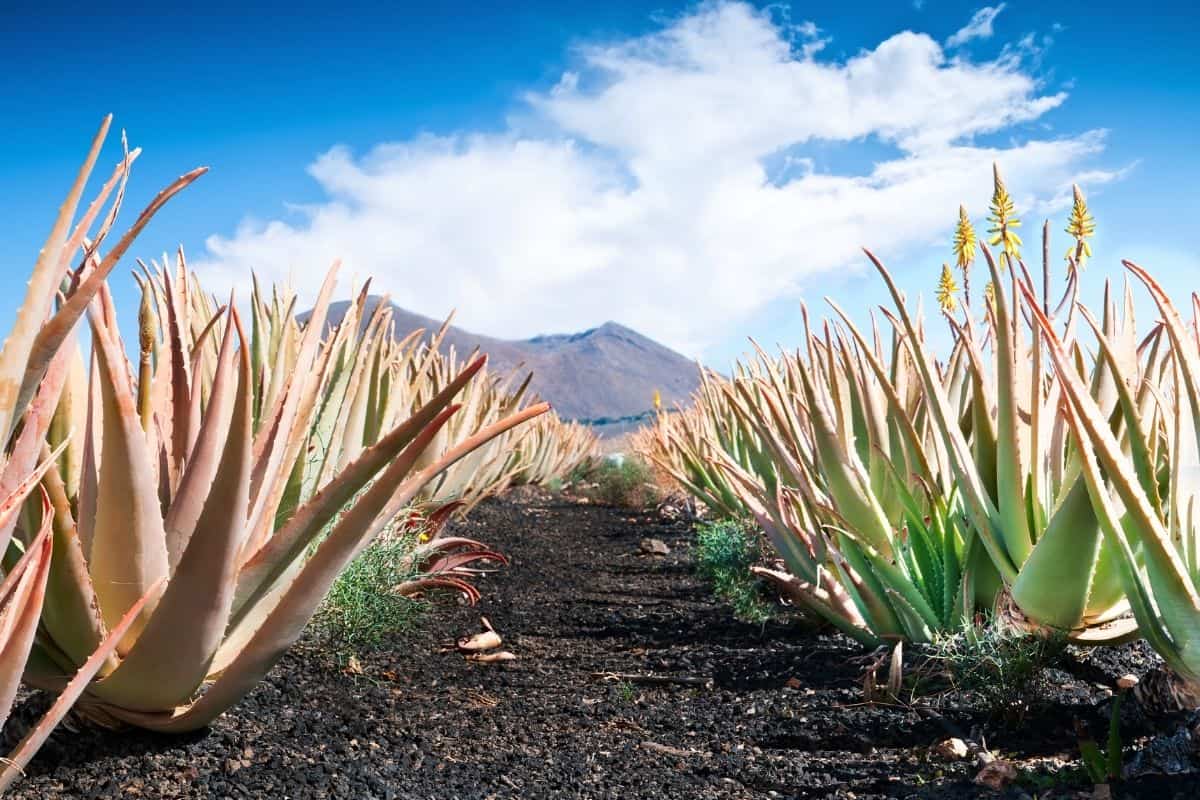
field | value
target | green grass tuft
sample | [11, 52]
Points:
[361, 612]
[997, 662]
[627, 482]
[725, 551]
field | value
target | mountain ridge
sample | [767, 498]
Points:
[604, 374]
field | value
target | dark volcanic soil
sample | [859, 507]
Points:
[774, 712]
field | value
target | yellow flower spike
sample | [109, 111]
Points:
[965, 243]
[657, 400]
[1004, 218]
[1080, 226]
[946, 291]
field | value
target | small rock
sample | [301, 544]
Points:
[996, 775]
[654, 547]
[1127, 681]
[953, 749]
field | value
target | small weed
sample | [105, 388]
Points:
[626, 692]
[1103, 766]
[998, 663]
[725, 551]
[627, 482]
[361, 611]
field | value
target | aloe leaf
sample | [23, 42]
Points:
[17, 350]
[51, 336]
[21, 602]
[74, 689]
[296, 604]
[172, 655]
[1055, 582]
[128, 549]
[1174, 594]
[289, 542]
[204, 459]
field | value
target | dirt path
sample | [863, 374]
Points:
[756, 713]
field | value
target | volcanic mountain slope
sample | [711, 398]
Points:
[602, 374]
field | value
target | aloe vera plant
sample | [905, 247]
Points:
[865, 521]
[1023, 488]
[34, 364]
[904, 492]
[548, 448]
[376, 380]
[688, 443]
[205, 476]
[1146, 509]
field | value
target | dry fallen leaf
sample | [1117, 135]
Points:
[953, 749]
[489, 658]
[996, 775]
[488, 640]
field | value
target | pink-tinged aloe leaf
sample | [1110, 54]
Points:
[456, 562]
[249, 618]
[18, 350]
[180, 383]
[172, 655]
[296, 604]
[36, 737]
[21, 597]
[128, 550]
[119, 177]
[70, 418]
[255, 643]
[204, 461]
[71, 613]
[52, 334]
[23, 458]
[290, 541]
[844, 616]
[272, 472]
[89, 469]
[10, 507]
[418, 586]
[430, 526]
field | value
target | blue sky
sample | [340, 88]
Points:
[693, 171]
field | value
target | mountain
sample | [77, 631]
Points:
[602, 375]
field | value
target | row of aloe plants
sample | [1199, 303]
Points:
[169, 527]
[1044, 469]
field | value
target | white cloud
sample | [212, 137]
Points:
[980, 26]
[635, 188]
